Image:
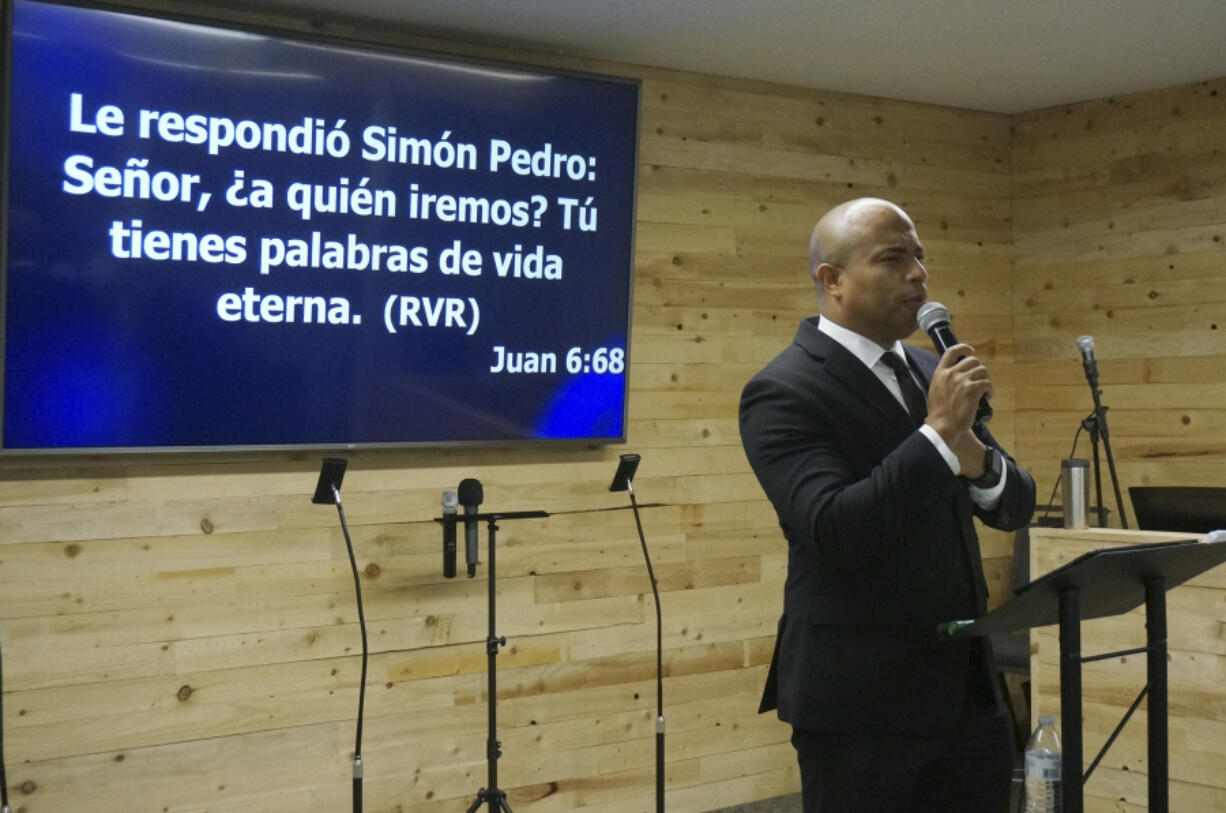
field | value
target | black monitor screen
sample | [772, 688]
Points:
[1187, 509]
[227, 238]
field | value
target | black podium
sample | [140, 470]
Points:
[1103, 583]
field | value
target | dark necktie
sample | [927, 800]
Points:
[912, 395]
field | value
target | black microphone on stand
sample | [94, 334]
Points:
[470, 495]
[451, 502]
[328, 491]
[1086, 344]
[933, 319]
[1096, 424]
[623, 480]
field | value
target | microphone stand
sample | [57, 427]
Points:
[491, 794]
[1090, 424]
[623, 480]
[1096, 424]
[655, 591]
[330, 476]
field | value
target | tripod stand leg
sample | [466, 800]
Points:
[497, 800]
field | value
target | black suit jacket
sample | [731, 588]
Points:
[881, 544]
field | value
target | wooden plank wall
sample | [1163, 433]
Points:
[1120, 222]
[179, 632]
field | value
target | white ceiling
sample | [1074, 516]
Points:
[1000, 55]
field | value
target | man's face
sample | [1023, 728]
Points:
[883, 280]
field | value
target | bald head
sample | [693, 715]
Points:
[841, 230]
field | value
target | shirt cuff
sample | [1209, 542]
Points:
[935, 438]
[985, 498]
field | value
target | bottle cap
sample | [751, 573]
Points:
[1046, 719]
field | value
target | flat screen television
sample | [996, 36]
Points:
[217, 238]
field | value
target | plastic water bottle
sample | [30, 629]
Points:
[1044, 792]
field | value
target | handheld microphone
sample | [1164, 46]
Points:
[933, 318]
[470, 495]
[1086, 343]
[451, 502]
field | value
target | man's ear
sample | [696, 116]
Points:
[828, 277]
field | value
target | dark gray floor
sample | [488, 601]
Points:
[791, 804]
[780, 804]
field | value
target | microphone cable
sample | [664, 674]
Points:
[1051, 501]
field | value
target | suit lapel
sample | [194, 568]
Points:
[852, 373]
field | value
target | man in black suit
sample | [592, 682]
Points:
[875, 487]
